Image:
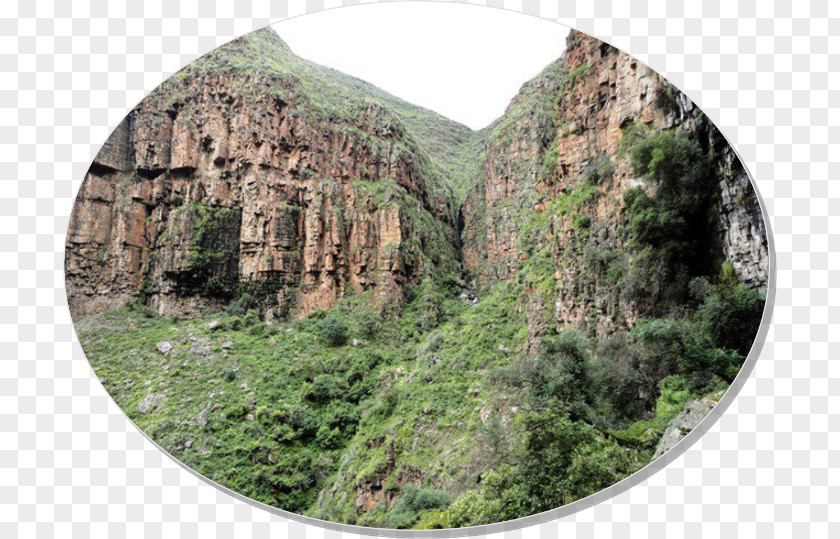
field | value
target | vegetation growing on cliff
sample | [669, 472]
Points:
[441, 401]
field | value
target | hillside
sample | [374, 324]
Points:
[349, 307]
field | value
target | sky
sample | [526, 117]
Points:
[464, 62]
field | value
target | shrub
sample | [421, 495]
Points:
[141, 309]
[369, 323]
[416, 499]
[430, 305]
[328, 438]
[730, 315]
[594, 467]
[473, 508]
[334, 331]
[549, 164]
[253, 323]
[324, 388]
[681, 347]
[622, 377]
[600, 170]
[413, 502]
[551, 442]
[564, 368]
[233, 323]
[674, 392]
[241, 305]
[343, 416]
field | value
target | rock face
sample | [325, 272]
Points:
[226, 182]
[684, 423]
[557, 147]
[254, 171]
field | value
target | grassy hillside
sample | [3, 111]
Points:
[435, 413]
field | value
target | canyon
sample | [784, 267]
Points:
[368, 313]
[220, 183]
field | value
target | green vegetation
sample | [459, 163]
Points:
[670, 231]
[426, 409]
[575, 73]
[306, 414]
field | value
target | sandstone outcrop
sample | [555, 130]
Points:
[563, 129]
[297, 185]
[214, 186]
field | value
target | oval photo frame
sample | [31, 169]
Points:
[635, 478]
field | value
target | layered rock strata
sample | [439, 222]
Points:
[563, 129]
[215, 186]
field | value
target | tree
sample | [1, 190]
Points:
[731, 315]
[552, 438]
[670, 230]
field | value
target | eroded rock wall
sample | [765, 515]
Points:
[202, 193]
[534, 163]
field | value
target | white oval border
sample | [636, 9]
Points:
[603, 495]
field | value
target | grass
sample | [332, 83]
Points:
[274, 412]
[303, 415]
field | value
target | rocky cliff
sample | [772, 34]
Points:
[554, 176]
[255, 171]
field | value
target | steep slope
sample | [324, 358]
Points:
[254, 171]
[556, 170]
[615, 247]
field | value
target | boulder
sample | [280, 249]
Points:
[684, 423]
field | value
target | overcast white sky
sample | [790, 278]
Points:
[465, 62]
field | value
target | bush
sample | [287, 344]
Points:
[334, 331]
[416, 499]
[623, 378]
[430, 305]
[343, 416]
[141, 309]
[551, 442]
[324, 388]
[600, 170]
[472, 509]
[328, 438]
[680, 347]
[731, 315]
[253, 323]
[594, 467]
[233, 323]
[413, 502]
[564, 370]
[369, 323]
[241, 305]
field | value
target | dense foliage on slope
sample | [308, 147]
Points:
[436, 413]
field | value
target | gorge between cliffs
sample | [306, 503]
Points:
[349, 307]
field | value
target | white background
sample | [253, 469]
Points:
[459, 61]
